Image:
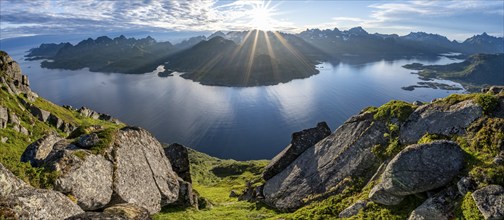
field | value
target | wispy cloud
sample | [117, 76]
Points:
[97, 15]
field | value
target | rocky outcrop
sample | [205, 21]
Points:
[86, 112]
[179, 159]
[440, 206]
[346, 152]
[301, 141]
[465, 185]
[493, 89]
[437, 119]
[20, 201]
[40, 114]
[15, 81]
[353, 209]
[490, 201]
[418, 168]
[38, 151]
[131, 169]
[187, 196]
[125, 211]
[4, 117]
[143, 174]
[88, 140]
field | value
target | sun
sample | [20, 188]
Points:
[261, 16]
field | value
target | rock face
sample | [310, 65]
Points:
[440, 206]
[89, 180]
[418, 168]
[143, 174]
[301, 141]
[346, 152]
[179, 159]
[132, 169]
[38, 151]
[434, 119]
[490, 201]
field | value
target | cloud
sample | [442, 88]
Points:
[60, 16]
[28, 17]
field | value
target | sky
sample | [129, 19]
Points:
[456, 19]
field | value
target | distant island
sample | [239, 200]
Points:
[120, 55]
[476, 72]
[251, 58]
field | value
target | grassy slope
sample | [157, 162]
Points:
[214, 179]
[11, 151]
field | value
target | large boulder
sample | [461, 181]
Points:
[143, 174]
[132, 168]
[418, 168]
[440, 206]
[21, 201]
[301, 141]
[88, 179]
[38, 151]
[30, 203]
[490, 201]
[9, 183]
[346, 152]
[179, 159]
[187, 196]
[40, 114]
[437, 119]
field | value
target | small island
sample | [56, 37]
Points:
[475, 73]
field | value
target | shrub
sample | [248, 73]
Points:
[394, 109]
[487, 102]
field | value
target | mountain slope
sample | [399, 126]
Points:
[263, 58]
[103, 54]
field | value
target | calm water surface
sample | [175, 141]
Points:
[238, 123]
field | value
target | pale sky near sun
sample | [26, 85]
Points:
[456, 19]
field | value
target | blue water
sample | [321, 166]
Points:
[238, 123]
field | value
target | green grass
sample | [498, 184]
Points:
[214, 179]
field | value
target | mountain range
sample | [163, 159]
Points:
[251, 58]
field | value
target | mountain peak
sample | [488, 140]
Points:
[357, 31]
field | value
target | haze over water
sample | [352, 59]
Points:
[226, 122]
